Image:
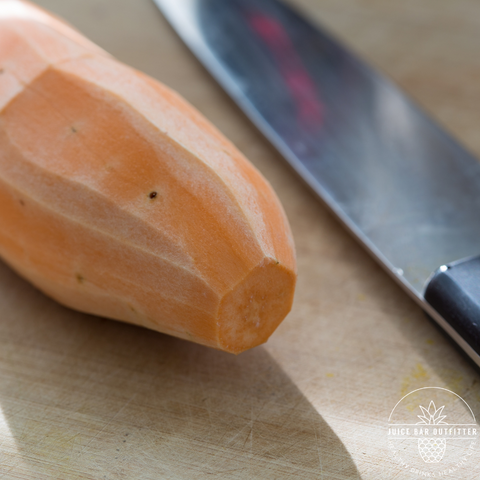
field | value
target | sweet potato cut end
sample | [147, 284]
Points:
[251, 312]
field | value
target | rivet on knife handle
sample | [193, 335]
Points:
[454, 292]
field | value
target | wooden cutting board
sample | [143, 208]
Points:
[87, 398]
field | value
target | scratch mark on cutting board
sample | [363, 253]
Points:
[225, 471]
[108, 423]
[8, 471]
[250, 434]
[317, 445]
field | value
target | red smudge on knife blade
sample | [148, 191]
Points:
[296, 77]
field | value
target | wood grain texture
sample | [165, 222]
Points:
[87, 398]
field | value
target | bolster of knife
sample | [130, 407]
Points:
[454, 292]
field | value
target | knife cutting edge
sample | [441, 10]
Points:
[404, 187]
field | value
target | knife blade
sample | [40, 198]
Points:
[402, 186]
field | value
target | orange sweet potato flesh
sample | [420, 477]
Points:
[118, 199]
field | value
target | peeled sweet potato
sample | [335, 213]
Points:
[117, 198]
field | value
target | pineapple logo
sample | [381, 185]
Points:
[418, 433]
[432, 450]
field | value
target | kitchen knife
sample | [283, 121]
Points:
[405, 188]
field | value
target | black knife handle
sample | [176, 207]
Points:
[454, 292]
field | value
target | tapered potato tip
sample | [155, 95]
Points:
[251, 312]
